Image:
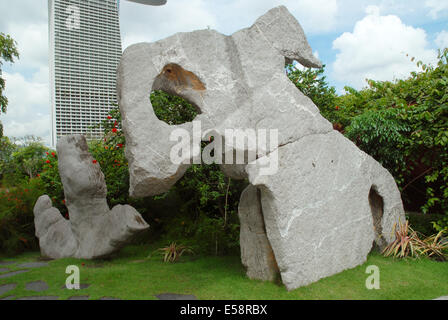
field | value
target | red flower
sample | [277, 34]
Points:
[63, 201]
[47, 153]
[94, 161]
[114, 130]
[48, 161]
[120, 145]
[116, 123]
[53, 154]
[337, 108]
[109, 117]
[38, 175]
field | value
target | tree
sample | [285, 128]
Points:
[8, 51]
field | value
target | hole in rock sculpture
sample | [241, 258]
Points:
[377, 208]
[172, 109]
[171, 88]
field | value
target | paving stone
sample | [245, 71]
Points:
[6, 263]
[8, 298]
[81, 286]
[10, 274]
[7, 287]
[3, 269]
[175, 296]
[79, 298]
[39, 298]
[109, 298]
[37, 286]
[33, 265]
[442, 298]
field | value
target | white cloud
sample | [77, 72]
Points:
[28, 109]
[442, 39]
[436, 7]
[377, 48]
[148, 23]
[32, 43]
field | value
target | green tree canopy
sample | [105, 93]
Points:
[8, 51]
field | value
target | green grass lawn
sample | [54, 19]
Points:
[131, 275]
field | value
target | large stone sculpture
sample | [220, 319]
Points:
[327, 203]
[93, 231]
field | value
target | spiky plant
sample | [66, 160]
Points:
[405, 241]
[174, 251]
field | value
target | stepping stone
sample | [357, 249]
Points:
[33, 265]
[3, 270]
[10, 274]
[109, 298]
[37, 286]
[79, 298]
[7, 287]
[442, 298]
[81, 286]
[9, 298]
[40, 298]
[6, 263]
[175, 296]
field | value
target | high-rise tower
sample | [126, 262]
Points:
[85, 49]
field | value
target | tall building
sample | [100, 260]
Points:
[85, 49]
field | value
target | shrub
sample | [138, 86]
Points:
[17, 218]
[405, 129]
[404, 244]
[173, 252]
[408, 243]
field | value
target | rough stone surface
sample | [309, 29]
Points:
[175, 296]
[93, 230]
[256, 251]
[37, 286]
[7, 287]
[11, 274]
[327, 203]
[33, 265]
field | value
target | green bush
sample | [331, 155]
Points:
[424, 223]
[405, 128]
[17, 218]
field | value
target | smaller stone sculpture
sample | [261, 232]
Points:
[93, 230]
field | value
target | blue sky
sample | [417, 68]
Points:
[355, 39]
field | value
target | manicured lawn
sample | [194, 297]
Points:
[131, 275]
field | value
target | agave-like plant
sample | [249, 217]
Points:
[405, 241]
[174, 251]
[433, 246]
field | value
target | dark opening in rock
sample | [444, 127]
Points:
[377, 208]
